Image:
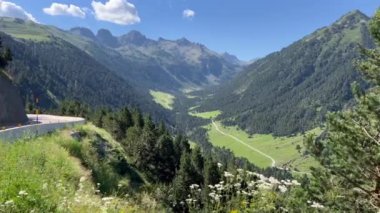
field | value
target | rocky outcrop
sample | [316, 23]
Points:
[11, 108]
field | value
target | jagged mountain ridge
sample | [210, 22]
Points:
[179, 63]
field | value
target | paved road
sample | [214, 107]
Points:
[51, 119]
[245, 144]
[45, 124]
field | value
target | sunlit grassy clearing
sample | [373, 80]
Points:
[282, 149]
[44, 175]
[206, 115]
[166, 100]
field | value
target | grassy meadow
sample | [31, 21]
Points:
[205, 115]
[282, 149]
[166, 100]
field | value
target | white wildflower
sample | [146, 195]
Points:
[251, 184]
[282, 188]
[194, 186]
[107, 199]
[287, 182]
[273, 180]
[265, 186]
[211, 186]
[240, 170]
[220, 165]
[9, 202]
[212, 194]
[82, 179]
[237, 185]
[228, 175]
[317, 205]
[250, 173]
[23, 193]
[263, 178]
[295, 183]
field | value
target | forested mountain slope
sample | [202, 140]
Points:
[56, 70]
[145, 63]
[291, 90]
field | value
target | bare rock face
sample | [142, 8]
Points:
[12, 111]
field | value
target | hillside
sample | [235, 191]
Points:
[56, 70]
[291, 90]
[145, 63]
[11, 108]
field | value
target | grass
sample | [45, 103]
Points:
[24, 30]
[57, 173]
[166, 100]
[282, 149]
[205, 115]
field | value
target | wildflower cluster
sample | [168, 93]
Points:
[240, 187]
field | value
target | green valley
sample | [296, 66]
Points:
[109, 120]
[282, 149]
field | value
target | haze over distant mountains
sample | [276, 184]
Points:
[165, 64]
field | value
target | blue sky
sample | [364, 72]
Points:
[246, 28]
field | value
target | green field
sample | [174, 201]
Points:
[282, 149]
[205, 115]
[24, 29]
[166, 100]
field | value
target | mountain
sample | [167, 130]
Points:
[53, 70]
[169, 65]
[11, 108]
[291, 90]
[81, 31]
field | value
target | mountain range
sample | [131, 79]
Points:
[291, 90]
[286, 92]
[163, 64]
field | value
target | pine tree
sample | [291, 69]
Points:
[350, 149]
[211, 172]
[183, 180]
[166, 165]
[198, 162]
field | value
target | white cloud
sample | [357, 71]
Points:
[116, 11]
[10, 9]
[57, 9]
[188, 13]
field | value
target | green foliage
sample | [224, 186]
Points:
[349, 150]
[40, 169]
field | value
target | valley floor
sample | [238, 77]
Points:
[262, 149]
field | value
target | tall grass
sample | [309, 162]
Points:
[35, 176]
[56, 173]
